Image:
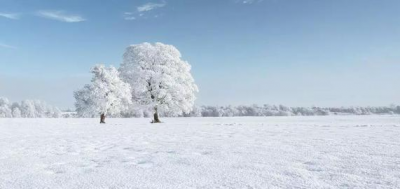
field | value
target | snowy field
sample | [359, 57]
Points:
[267, 152]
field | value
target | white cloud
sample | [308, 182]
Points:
[61, 16]
[141, 11]
[129, 16]
[150, 6]
[249, 1]
[2, 45]
[12, 16]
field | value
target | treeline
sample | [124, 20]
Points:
[27, 109]
[40, 109]
[269, 110]
[280, 110]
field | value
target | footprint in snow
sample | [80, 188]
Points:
[53, 172]
[144, 164]
[312, 166]
[202, 153]
[309, 163]
[54, 169]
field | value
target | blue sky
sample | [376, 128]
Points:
[293, 52]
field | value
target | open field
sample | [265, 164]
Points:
[250, 152]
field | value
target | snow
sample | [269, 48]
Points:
[247, 152]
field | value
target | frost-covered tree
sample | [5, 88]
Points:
[5, 111]
[16, 112]
[160, 79]
[107, 95]
[56, 113]
[40, 107]
[196, 112]
[28, 109]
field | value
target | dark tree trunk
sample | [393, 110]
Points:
[102, 118]
[156, 119]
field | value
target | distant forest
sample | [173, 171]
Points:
[40, 109]
[280, 110]
[275, 110]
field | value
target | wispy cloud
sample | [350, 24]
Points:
[12, 16]
[61, 16]
[2, 45]
[129, 16]
[142, 11]
[249, 1]
[150, 6]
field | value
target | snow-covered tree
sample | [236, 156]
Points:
[56, 113]
[28, 109]
[107, 95]
[160, 79]
[133, 111]
[196, 112]
[40, 108]
[5, 111]
[16, 112]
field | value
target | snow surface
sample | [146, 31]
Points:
[256, 152]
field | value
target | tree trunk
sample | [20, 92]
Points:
[102, 118]
[156, 119]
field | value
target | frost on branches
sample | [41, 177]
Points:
[106, 95]
[160, 79]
